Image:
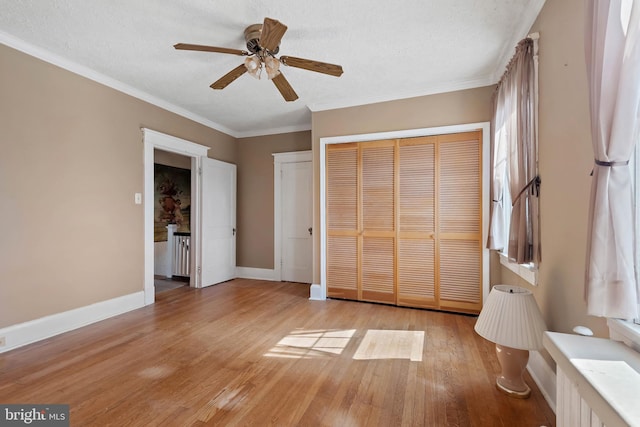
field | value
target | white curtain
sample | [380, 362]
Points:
[612, 49]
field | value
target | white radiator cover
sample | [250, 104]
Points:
[571, 409]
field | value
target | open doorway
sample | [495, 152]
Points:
[172, 220]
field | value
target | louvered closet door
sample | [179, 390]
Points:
[460, 220]
[404, 222]
[417, 221]
[342, 221]
[378, 222]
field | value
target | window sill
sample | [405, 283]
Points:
[602, 372]
[627, 332]
[524, 271]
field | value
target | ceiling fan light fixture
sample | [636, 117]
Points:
[254, 66]
[272, 65]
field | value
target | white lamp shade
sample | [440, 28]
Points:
[511, 317]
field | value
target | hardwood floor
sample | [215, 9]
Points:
[259, 353]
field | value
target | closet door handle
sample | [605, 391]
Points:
[310, 230]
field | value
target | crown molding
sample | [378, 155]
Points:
[274, 131]
[528, 19]
[432, 90]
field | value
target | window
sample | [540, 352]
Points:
[516, 183]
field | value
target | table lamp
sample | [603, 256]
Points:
[511, 318]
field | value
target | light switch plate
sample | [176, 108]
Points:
[138, 198]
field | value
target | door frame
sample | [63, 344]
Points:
[156, 140]
[319, 292]
[278, 160]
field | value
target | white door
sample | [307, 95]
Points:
[297, 220]
[218, 219]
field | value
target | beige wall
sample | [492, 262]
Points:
[255, 240]
[466, 106]
[566, 159]
[70, 163]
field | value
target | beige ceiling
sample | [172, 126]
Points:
[388, 50]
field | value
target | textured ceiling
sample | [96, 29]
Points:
[388, 50]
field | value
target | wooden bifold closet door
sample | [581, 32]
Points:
[404, 221]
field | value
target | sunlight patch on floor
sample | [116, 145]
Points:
[304, 344]
[380, 344]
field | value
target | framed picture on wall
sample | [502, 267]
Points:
[172, 191]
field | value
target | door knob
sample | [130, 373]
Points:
[310, 229]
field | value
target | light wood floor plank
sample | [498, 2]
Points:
[250, 352]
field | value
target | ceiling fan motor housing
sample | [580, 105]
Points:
[252, 36]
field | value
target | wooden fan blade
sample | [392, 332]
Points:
[308, 64]
[272, 32]
[186, 46]
[285, 88]
[224, 81]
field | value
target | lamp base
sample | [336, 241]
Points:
[513, 362]
[517, 394]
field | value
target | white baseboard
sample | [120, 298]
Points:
[544, 377]
[316, 293]
[45, 327]
[255, 273]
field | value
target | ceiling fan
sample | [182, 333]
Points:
[263, 44]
